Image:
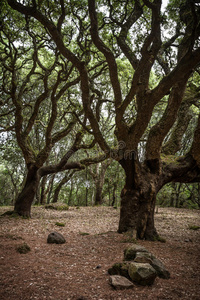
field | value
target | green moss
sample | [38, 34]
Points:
[23, 248]
[169, 159]
[60, 224]
[193, 227]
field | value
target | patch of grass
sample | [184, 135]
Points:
[84, 233]
[23, 248]
[60, 224]
[57, 206]
[193, 227]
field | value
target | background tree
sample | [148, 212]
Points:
[33, 90]
[150, 42]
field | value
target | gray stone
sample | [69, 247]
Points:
[143, 257]
[120, 282]
[143, 274]
[131, 251]
[55, 238]
[160, 268]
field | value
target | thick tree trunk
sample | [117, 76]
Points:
[26, 197]
[137, 214]
[138, 199]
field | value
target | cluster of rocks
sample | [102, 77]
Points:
[139, 266]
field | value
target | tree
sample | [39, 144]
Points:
[151, 43]
[32, 91]
[98, 176]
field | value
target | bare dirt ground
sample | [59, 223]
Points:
[78, 268]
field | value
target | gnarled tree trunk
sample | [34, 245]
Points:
[138, 199]
[26, 197]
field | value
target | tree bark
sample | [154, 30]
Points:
[114, 194]
[137, 214]
[43, 194]
[98, 196]
[26, 197]
[138, 199]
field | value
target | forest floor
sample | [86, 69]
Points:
[78, 268]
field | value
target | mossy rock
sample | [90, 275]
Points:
[131, 251]
[119, 269]
[142, 273]
[23, 248]
[57, 206]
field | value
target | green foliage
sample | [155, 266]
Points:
[180, 195]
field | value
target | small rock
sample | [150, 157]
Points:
[55, 238]
[120, 282]
[143, 274]
[98, 267]
[188, 240]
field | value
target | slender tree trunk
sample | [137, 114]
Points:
[50, 188]
[98, 196]
[77, 198]
[26, 197]
[86, 189]
[70, 193]
[56, 193]
[43, 191]
[114, 194]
